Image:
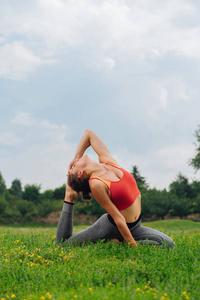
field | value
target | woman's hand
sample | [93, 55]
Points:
[74, 160]
[133, 244]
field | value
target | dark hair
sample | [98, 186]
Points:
[80, 185]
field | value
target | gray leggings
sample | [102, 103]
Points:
[103, 229]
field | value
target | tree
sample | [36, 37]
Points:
[180, 207]
[59, 193]
[160, 203]
[195, 162]
[3, 204]
[2, 185]
[141, 181]
[48, 194]
[155, 202]
[16, 188]
[32, 193]
[195, 185]
[181, 187]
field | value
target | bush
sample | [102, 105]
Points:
[11, 215]
[45, 208]
[3, 205]
[24, 207]
[91, 207]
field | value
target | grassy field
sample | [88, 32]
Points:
[33, 267]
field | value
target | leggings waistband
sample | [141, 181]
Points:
[130, 225]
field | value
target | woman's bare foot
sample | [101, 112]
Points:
[115, 241]
[70, 194]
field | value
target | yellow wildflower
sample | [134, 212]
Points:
[90, 289]
[48, 295]
[109, 283]
[184, 293]
[146, 287]
[6, 260]
[13, 296]
[138, 289]
[165, 294]
[42, 298]
[75, 296]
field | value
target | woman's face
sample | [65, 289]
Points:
[79, 165]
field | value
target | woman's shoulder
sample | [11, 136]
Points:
[96, 183]
[108, 159]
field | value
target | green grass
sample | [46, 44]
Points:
[33, 267]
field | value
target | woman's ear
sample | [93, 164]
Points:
[80, 174]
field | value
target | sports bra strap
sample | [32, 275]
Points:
[113, 165]
[107, 182]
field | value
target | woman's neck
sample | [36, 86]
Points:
[94, 168]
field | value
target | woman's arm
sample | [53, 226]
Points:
[88, 139]
[99, 192]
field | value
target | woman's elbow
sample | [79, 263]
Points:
[88, 131]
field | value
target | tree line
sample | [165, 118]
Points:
[182, 198]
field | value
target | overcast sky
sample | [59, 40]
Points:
[129, 70]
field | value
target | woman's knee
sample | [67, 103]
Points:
[164, 241]
[168, 243]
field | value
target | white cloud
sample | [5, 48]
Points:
[168, 95]
[128, 30]
[23, 119]
[158, 167]
[44, 154]
[43, 128]
[17, 62]
[105, 63]
[164, 97]
[176, 156]
[9, 139]
[181, 91]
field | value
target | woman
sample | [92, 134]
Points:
[115, 189]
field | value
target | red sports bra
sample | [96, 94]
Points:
[123, 192]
